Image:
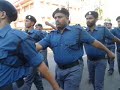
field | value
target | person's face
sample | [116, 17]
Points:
[61, 20]
[90, 20]
[108, 26]
[38, 27]
[118, 21]
[28, 23]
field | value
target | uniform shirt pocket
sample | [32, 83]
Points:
[72, 45]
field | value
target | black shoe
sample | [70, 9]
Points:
[118, 88]
[110, 72]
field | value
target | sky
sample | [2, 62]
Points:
[112, 9]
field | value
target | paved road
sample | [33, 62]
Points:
[111, 82]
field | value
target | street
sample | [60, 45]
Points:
[111, 82]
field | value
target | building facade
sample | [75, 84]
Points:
[43, 9]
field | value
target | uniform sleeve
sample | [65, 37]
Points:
[28, 49]
[108, 34]
[85, 37]
[45, 42]
[40, 35]
[113, 31]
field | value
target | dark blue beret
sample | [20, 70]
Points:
[117, 18]
[31, 18]
[61, 10]
[93, 13]
[10, 10]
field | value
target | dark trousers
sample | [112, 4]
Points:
[111, 61]
[14, 86]
[118, 61]
[35, 78]
[8, 87]
[69, 79]
[96, 71]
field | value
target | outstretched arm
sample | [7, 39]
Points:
[99, 45]
[117, 40]
[51, 25]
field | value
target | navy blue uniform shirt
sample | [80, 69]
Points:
[116, 32]
[109, 43]
[9, 41]
[68, 46]
[36, 35]
[100, 34]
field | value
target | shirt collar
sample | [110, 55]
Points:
[66, 28]
[88, 29]
[4, 30]
[31, 31]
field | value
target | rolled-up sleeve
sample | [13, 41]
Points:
[85, 37]
[30, 53]
[45, 42]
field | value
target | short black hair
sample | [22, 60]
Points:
[39, 25]
[31, 18]
[93, 13]
[117, 18]
[61, 10]
[10, 10]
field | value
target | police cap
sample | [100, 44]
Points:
[61, 10]
[10, 10]
[117, 18]
[93, 13]
[31, 18]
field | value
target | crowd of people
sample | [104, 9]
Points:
[23, 54]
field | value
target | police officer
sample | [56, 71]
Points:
[43, 52]
[36, 35]
[111, 46]
[17, 53]
[116, 32]
[67, 45]
[96, 58]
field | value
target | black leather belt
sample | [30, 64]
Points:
[69, 65]
[19, 84]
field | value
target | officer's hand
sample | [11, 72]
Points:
[111, 55]
[47, 23]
